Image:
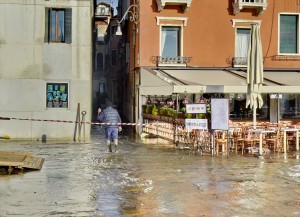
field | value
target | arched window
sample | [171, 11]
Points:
[100, 61]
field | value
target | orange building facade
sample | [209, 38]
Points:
[189, 48]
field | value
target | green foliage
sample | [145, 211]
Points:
[201, 116]
[189, 116]
[144, 107]
[149, 109]
[162, 111]
[170, 112]
[154, 110]
[183, 110]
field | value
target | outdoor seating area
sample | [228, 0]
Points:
[266, 136]
[242, 137]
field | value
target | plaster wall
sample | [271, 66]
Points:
[27, 63]
[209, 36]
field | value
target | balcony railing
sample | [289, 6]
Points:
[242, 61]
[259, 5]
[174, 61]
[239, 61]
[162, 3]
[102, 11]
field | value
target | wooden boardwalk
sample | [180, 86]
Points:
[20, 160]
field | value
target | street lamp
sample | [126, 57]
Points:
[132, 13]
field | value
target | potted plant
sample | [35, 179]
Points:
[154, 112]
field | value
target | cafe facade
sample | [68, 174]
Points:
[281, 96]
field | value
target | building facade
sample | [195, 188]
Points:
[45, 67]
[190, 47]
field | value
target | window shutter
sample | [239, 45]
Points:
[288, 33]
[47, 24]
[68, 26]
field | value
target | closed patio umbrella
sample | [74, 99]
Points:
[255, 71]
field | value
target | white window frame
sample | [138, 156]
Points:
[236, 43]
[181, 37]
[241, 24]
[278, 46]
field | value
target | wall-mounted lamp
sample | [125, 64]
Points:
[132, 13]
[119, 31]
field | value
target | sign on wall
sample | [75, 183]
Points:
[57, 95]
[197, 124]
[219, 114]
[275, 96]
[198, 108]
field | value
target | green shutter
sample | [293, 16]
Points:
[68, 26]
[47, 25]
[289, 34]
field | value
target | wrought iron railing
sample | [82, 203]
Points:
[239, 61]
[171, 60]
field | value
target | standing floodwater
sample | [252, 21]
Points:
[148, 179]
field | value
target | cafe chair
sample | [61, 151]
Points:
[237, 139]
[221, 141]
[275, 140]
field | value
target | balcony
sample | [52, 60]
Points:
[171, 61]
[184, 3]
[239, 61]
[102, 11]
[259, 5]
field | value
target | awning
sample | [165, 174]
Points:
[191, 80]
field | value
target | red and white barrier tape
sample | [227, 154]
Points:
[92, 123]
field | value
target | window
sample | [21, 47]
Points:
[289, 34]
[58, 24]
[102, 88]
[114, 57]
[100, 61]
[170, 41]
[241, 46]
[57, 95]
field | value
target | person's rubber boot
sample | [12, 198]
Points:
[109, 145]
[116, 144]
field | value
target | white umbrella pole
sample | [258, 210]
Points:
[254, 114]
[254, 124]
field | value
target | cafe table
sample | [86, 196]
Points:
[261, 132]
[285, 130]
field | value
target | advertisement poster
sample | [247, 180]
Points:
[57, 95]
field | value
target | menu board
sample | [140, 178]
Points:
[198, 124]
[198, 108]
[219, 114]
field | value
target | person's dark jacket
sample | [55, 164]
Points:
[109, 115]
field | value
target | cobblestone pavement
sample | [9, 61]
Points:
[148, 178]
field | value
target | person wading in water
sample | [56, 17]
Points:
[112, 124]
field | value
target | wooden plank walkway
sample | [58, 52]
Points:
[20, 160]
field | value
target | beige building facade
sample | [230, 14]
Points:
[45, 67]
